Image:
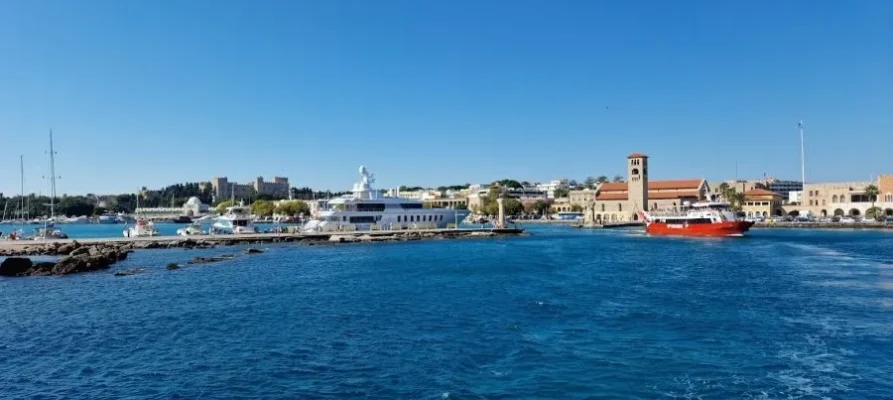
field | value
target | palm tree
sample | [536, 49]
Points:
[871, 191]
[724, 191]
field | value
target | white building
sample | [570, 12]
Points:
[553, 185]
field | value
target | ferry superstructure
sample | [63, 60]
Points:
[367, 208]
[699, 219]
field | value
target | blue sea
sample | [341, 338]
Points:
[560, 314]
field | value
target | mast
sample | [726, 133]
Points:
[52, 179]
[802, 155]
[22, 172]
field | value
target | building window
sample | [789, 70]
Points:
[603, 208]
[823, 201]
[834, 199]
[619, 206]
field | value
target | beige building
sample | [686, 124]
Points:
[561, 204]
[221, 187]
[618, 202]
[582, 198]
[762, 203]
[847, 198]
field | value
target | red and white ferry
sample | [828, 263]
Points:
[699, 219]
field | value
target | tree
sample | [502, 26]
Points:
[576, 208]
[263, 208]
[541, 207]
[560, 193]
[221, 207]
[874, 213]
[462, 207]
[292, 208]
[618, 179]
[512, 207]
[508, 183]
[591, 182]
[602, 179]
[871, 191]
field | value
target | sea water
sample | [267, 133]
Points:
[562, 313]
[84, 231]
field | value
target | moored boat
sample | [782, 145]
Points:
[367, 208]
[142, 228]
[699, 219]
[236, 221]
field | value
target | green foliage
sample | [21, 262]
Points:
[617, 179]
[541, 207]
[591, 182]
[292, 208]
[306, 193]
[222, 206]
[874, 213]
[561, 193]
[462, 207]
[263, 208]
[576, 208]
[508, 183]
[602, 179]
[453, 187]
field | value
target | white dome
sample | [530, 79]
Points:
[193, 201]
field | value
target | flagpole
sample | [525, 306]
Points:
[802, 155]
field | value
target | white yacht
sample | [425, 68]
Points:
[237, 220]
[367, 209]
[108, 218]
[142, 228]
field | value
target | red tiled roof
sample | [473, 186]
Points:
[760, 193]
[612, 187]
[612, 196]
[692, 184]
[637, 155]
[672, 195]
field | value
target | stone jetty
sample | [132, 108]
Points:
[96, 254]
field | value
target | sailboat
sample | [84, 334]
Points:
[49, 230]
[20, 233]
[142, 227]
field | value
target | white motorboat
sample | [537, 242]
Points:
[194, 229]
[108, 218]
[49, 232]
[142, 228]
[367, 208]
[237, 221]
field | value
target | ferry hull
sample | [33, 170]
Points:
[730, 228]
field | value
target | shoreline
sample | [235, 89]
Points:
[813, 225]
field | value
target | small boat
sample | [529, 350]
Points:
[108, 218]
[142, 228]
[699, 219]
[193, 229]
[181, 220]
[49, 232]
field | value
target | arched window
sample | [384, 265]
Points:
[654, 206]
[635, 171]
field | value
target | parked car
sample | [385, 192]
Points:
[847, 220]
[889, 220]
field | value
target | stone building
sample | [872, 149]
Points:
[618, 202]
[221, 187]
[847, 198]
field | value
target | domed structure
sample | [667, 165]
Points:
[194, 207]
[193, 201]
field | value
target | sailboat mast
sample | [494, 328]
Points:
[52, 178]
[22, 175]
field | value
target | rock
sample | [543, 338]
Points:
[343, 239]
[188, 243]
[206, 260]
[253, 251]
[14, 266]
[81, 250]
[132, 271]
[67, 248]
[173, 266]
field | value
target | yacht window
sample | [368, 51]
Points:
[344, 218]
[398, 218]
[373, 207]
[362, 220]
[410, 205]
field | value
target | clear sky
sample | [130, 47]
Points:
[149, 93]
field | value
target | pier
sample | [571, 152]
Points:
[48, 247]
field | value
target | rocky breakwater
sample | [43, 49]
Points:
[75, 258]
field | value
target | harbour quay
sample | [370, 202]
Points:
[50, 247]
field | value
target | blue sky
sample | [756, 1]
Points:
[148, 93]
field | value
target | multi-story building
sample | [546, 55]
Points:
[847, 198]
[553, 185]
[583, 197]
[221, 187]
[762, 203]
[784, 187]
